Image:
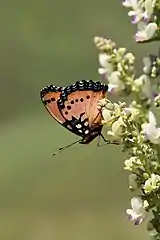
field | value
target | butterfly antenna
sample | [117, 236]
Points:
[63, 148]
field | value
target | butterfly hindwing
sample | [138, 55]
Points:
[75, 109]
[79, 105]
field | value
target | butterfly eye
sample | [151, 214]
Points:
[88, 97]
[81, 99]
[76, 100]
[72, 102]
[69, 107]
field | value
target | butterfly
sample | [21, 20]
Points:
[76, 107]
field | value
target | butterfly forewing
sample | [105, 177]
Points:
[50, 95]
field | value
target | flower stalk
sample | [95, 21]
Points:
[134, 125]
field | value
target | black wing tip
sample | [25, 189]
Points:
[91, 85]
[78, 85]
[49, 88]
[86, 85]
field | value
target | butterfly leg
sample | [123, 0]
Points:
[106, 141]
[103, 137]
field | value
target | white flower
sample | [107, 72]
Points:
[121, 51]
[136, 12]
[130, 3]
[130, 58]
[136, 15]
[118, 129]
[102, 102]
[138, 213]
[140, 10]
[146, 88]
[145, 32]
[107, 115]
[131, 163]
[117, 109]
[133, 111]
[150, 130]
[102, 71]
[149, 8]
[144, 83]
[157, 100]
[107, 68]
[115, 84]
[151, 66]
[152, 183]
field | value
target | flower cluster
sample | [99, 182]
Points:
[117, 67]
[144, 13]
[152, 183]
[134, 126]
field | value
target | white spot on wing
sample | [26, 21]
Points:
[78, 126]
[86, 123]
[86, 131]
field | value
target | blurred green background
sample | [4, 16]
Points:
[82, 193]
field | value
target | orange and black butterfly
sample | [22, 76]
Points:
[76, 107]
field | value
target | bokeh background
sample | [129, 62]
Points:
[82, 193]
